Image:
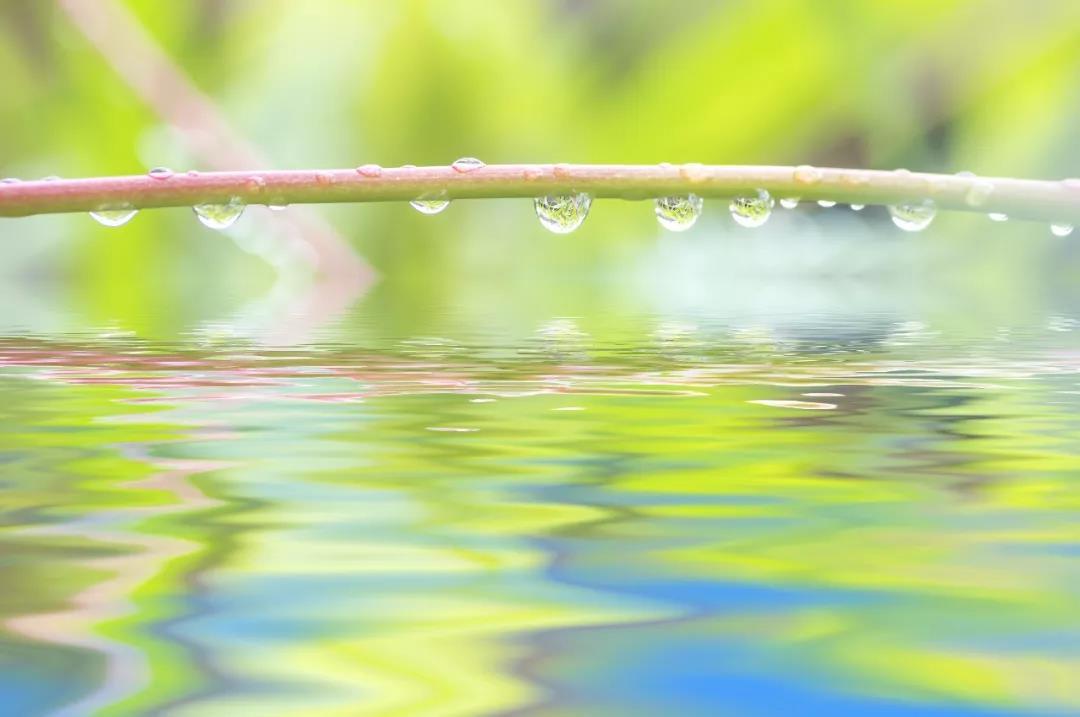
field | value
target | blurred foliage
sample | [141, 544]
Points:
[984, 85]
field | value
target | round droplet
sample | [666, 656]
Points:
[752, 211]
[219, 216]
[564, 213]
[1061, 230]
[858, 207]
[431, 203]
[160, 173]
[369, 170]
[913, 216]
[678, 214]
[827, 203]
[805, 174]
[466, 164]
[998, 217]
[789, 202]
[114, 217]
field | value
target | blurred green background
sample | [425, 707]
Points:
[991, 86]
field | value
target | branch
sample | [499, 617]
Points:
[1057, 201]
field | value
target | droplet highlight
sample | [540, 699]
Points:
[431, 203]
[997, 217]
[160, 173]
[913, 216]
[369, 170]
[752, 211]
[789, 202]
[805, 174]
[826, 203]
[563, 213]
[1061, 230]
[114, 217]
[677, 214]
[219, 216]
[858, 207]
[466, 164]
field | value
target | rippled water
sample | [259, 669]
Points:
[684, 518]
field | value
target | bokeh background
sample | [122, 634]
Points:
[991, 86]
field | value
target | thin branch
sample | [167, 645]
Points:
[1033, 199]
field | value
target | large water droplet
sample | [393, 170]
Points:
[826, 203]
[1061, 230]
[998, 217]
[369, 170]
[564, 213]
[219, 216]
[858, 207]
[678, 214]
[432, 203]
[160, 173]
[114, 217]
[913, 216]
[789, 202]
[466, 164]
[752, 211]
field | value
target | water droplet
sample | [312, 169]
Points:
[219, 216]
[752, 211]
[789, 202]
[913, 216]
[432, 203]
[193, 173]
[51, 178]
[827, 203]
[998, 217]
[694, 172]
[324, 178]
[369, 170]
[114, 217]
[255, 182]
[561, 170]
[966, 174]
[979, 193]
[562, 214]
[678, 214]
[10, 180]
[160, 173]
[277, 207]
[466, 164]
[1061, 230]
[805, 174]
[858, 207]
[532, 173]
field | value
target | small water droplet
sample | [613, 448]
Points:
[369, 170]
[752, 211]
[277, 207]
[51, 178]
[219, 216]
[562, 214]
[694, 172]
[966, 174]
[789, 202]
[1061, 230]
[678, 214]
[805, 174]
[998, 217]
[466, 164]
[826, 203]
[431, 203]
[858, 207]
[979, 193]
[160, 173]
[10, 180]
[913, 216]
[193, 173]
[114, 217]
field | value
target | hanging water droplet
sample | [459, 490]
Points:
[219, 216]
[858, 207]
[789, 202]
[324, 178]
[678, 214]
[564, 213]
[913, 216]
[431, 203]
[369, 170]
[466, 164]
[805, 174]
[826, 203]
[998, 217]
[1061, 230]
[114, 217]
[752, 211]
[160, 173]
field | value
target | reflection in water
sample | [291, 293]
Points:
[690, 522]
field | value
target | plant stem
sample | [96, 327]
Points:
[1033, 199]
